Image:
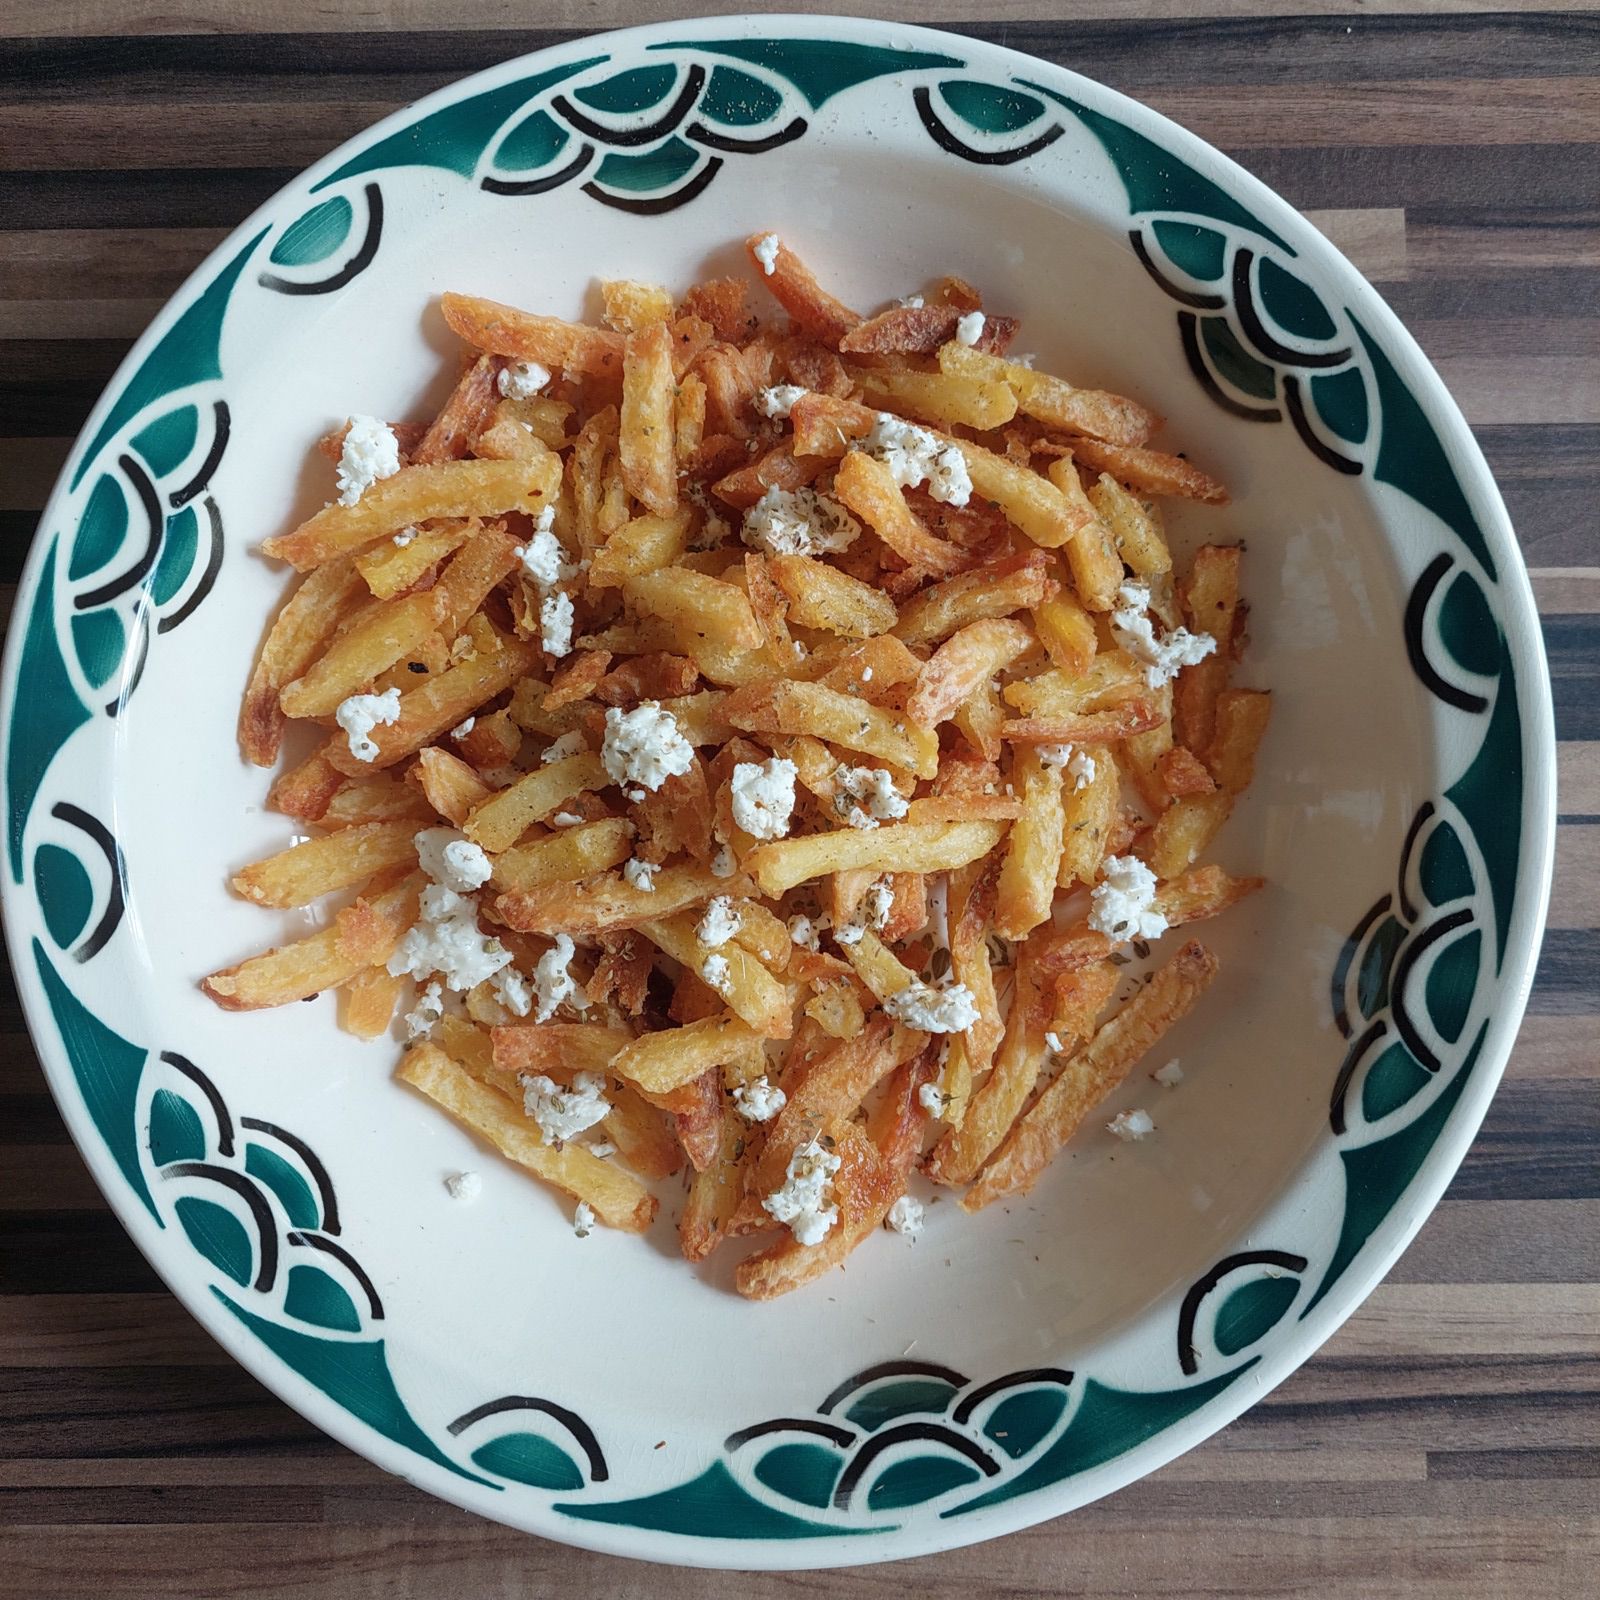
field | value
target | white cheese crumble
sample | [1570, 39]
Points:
[1169, 1076]
[563, 1114]
[542, 557]
[876, 904]
[644, 747]
[969, 330]
[601, 1149]
[569, 744]
[466, 1186]
[583, 1219]
[403, 538]
[565, 819]
[1131, 1125]
[798, 522]
[522, 380]
[723, 864]
[912, 302]
[850, 934]
[762, 796]
[932, 1099]
[906, 1216]
[361, 713]
[462, 729]
[1052, 1042]
[875, 796]
[913, 456]
[949, 1009]
[641, 874]
[552, 982]
[1163, 655]
[759, 1101]
[513, 991]
[803, 932]
[370, 452]
[555, 624]
[1079, 763]
[446, 939]
[805, 1201]
[717, 973]
[451, 858]
[778, 401]
[1122, 905]
[766, 252]
[719, 924]
[422, 1017]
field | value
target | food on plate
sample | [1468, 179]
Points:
[759, 743]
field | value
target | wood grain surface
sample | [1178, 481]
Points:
[1447, 1442]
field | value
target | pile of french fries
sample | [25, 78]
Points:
[952, 649]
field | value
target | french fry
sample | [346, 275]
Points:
[689, 419]
[1241, 721]
[866, 667]
[939, 397]
[452, 788]
[392, 630]
[476, 569]
[631, 307]
[1032, 503]
[713, 1194]
[390, 569]
[556, 1048]
[607, 903]
[919, 330]
[503, 818]
[617, 1199]
[878, 966]
[997, 590]
[1182, 772]
[836, 1009]
[982, 719]
[779, 468]
[642, 1133]
[646, 544]
[666, 1060]
[821, 596]
[1027, 887]
[306, 871]
[1091, 727]
[702, 609]
[299, 634]
[1135, 527]
[564, 856]
[307, 790]
[1092, 558]
[799, 293]
[361, 936]
[749, 990]
[1150, 471]
[1111, 679]
[649, 464]
[1093, 1073]
[1067, 632]
[971, 906]
[505, 331]
[380, 799]
[465, 415]
[866, 486]
[777, 706]
[895, 847]
[1088, 814]
[419, 494]
[1110, 417]
[962, 664]
[369, 1000]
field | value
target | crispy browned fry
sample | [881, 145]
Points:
[722, 303]
[631, 306]
[697, 1110]
[298, 636]
[369, 1000]
[965, 661]
[649, 465]
[971, 912]
[656, 676]
[504, 331]
[1033, 849]
[688, 419]
[491, 742]
[387, 633]
[576, 679]
[668, 1059]
[703, 609]
[391, 568]
[895, 847]
[1077, 997]
[867, 487]
[1094, 727]
[502, 819]
[530, 1048]
[419, 494]
[938, 397]
[607, 903]
[793, 287]
[487, 556]
[1241, 721]
[778, 706]
[379, 799]
[1093, 1073]
[451, 786]
[1135, 525]
[305, 791]
[1092, 411]
[1182, 772]
[618, 1198]
[869, 667]
[821, 596]
[361, 935]
[779, 468]
[826, 426]
[315, 867]
[920, 331]
[1017, 583]
[643, 545]
[1150, 472]
[746, 988]
[465, 415]
[714, 1193]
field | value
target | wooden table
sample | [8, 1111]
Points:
[1447, 1442]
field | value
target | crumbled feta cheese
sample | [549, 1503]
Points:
[717, 973]
[876, 904]
[644, 747]
[762, 795]
[404, 537]
[866, 674]
[1052, 1042]
[798, 522]
[361, 713]
[555, 624]
[583, 1219]
[1169, 1076]
[637, 796]
[723, 864]
[513, 991]
[466, 1186]
[641, 874]
[462, 729]
[759, 1101]
[542, 557]
[554, 984]
[569, 744]
[873, 791]
[601, 1149]
[1130, 1125]
[719, 924]
[969, 330]
[563, 1114]
[446, 939]
[802, 931]
[912, 302]
[370, 452]
[451, 858]
[1122, 905]
[906, 1216]
[913, 455]
[1164, 656]
[766, 252]
[850, 934]
[565, 819]
[932, 1099]
[779, 400]
[948, 1009]
[522, 380]
[429, 1008]
[805, 1201]
[1079, 763]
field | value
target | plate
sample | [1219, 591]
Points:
[1003, 1368]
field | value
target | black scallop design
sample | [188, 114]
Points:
[734, 145]
[214, 1099]
[117, 894]
[1353, 1057]
[267, 1272]
[830, 1431]
[907, 1432]
[1255, 330]
[553, 180]
[570, 1420]
[1189, 333]
[115, 708]
[1012, 1380]
[1409, 956]
[353, 268]
[1407, 846]
[1203, 1286]
[1416, 621]
[315, 1241]
[313, 1164]
[140, 570]
[639, 206]
[1341, 967]
[630, 138]
[1185, 297]
[1309, 437]
[891, 1369]
[948, 141]
[221, 428]
[208, 577]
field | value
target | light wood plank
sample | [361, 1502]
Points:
[1375, 241]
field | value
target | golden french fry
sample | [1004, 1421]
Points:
[668, 1059]
[1241, 721]
[306, 791]
[564, 856]
[646, 544]
[962, 665]
[866, 486]
[1135, 527]
[1088, 815]
[1150, 471]
[1027, 888]
[747, 988]
[1092, 557]
[504, 331]
[389, 632]
[632, 307]
[798, 292]
[701, 608]
[1016, 584]
[607, 903]
[1092, 411]
[778, 706]
[1183, 831]
[945, 398]
[1067, 632]
[894, 847]
[390, 568]
[315, 867]
[503, 818]
[369, 1000]
[714, 1194]
[821, 596]
[1112, 678]
[452, 787]
[649, 464]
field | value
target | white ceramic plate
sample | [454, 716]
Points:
[1004, 1368]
